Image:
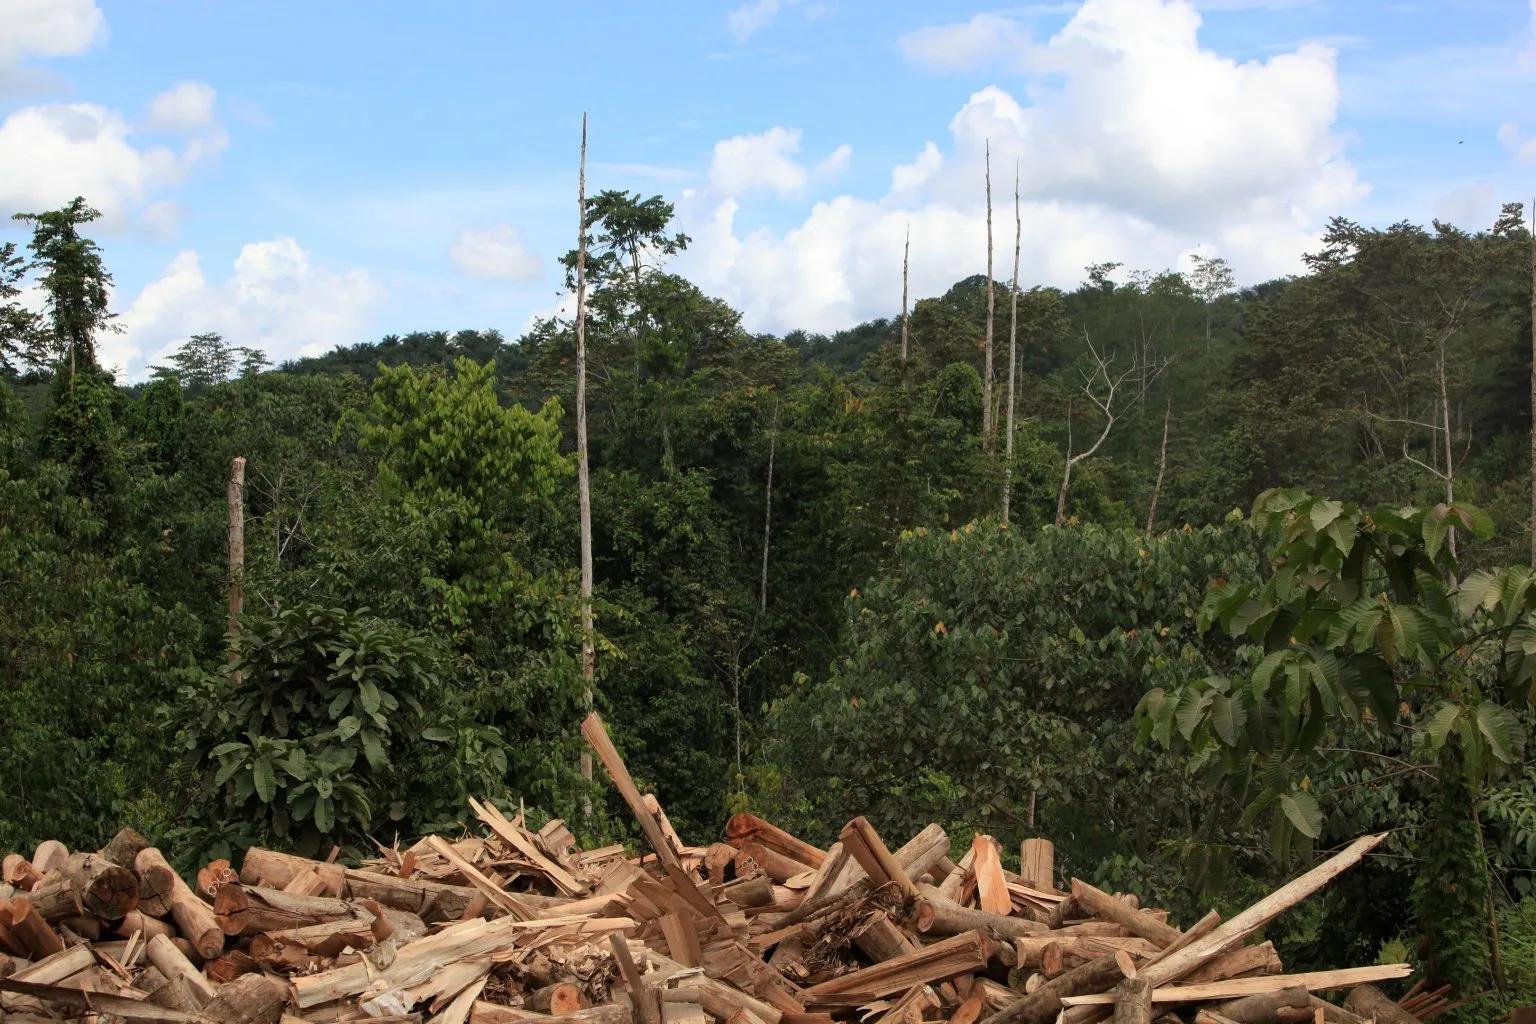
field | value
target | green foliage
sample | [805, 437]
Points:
[333, 725]
[75, 283]
[1360, 618]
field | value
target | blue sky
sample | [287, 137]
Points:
[303, 175]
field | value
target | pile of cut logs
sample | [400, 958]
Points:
[517, 926]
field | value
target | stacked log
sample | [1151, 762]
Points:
[516, 925]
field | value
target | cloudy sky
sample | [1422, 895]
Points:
[301, 175]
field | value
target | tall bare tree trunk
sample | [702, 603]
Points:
[906, 320]
[583, 477]
[236, 555]
[988, 416]
[1533, 383]
[773, 445]
[1450, 458]
[1013, 345]
[1066, 474]
[1162, 467]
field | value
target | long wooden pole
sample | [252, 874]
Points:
[1013, 344]
[583, 476]
[236, 499]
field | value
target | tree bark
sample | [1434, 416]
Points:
[1450, 455]
[936, 915]
[988, 418]
[906, 328]
[1533, 385]
[1013, 346]
[236, 556]
[194, 918]
[1372, 1003]
[583, 480]
[1265, 1008]
[1162, 467]
[1133, 1001]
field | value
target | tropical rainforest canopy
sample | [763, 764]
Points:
[1259, 588]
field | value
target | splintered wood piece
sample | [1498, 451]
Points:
[194, 918]
[1259, 914]
[1101, 904]
[596, 734]
[682, 939]
[433, 901]
[1037, 863]
[513, 837]
[100, 1002]
[955, 881]
[943, 959]
[970, 1009]
[864, 844]
[492, 892]
[251, 909]
[1245, 960]
[991, 886]
[743, 827]
[1235, 987]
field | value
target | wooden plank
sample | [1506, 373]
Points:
[991, 886]
[475, 877]
[596, 734]
[1233, 988]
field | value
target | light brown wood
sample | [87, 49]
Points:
[138, 921]
[1037, 863]
[86, 883]
[34, 934]
[865, 846]
[991, 886]
[277, 870]
[561, 997]
[1236, 987]
[122, 848]
[1259, 959]
[16, 870]
[194, 919]
[249, 999]
[1372, 1003]
[174, 965]
[251, 909]
[944, 959]
[745, 827]
[775, 864]
[1133, 1001]
[938, 916]
[1101, 904]
[49, 856]
[1265, 1008]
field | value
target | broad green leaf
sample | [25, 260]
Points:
[264, 779]
[1439, 726]
[1498, 726]
[1301, 809]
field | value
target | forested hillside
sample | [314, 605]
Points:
[808, 601]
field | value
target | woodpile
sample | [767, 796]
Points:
[520, 926]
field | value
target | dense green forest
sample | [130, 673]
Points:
[809, 601]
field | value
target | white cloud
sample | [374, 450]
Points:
[1519, 145]
[768, 161]
[984, 41]
[498, 251]
[276, 299]
[751, 17]
[48, 28]
[1133, 142]
[183, 108]
[51, 153]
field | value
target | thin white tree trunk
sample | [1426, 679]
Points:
[773, 445]
[1450, 460]
[988, 417]
[906, 322]
[236, 498]
[1533, 383]
[583, 477]
[1162, 467]
[1013, 345]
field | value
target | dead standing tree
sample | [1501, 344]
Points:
[583, 479]
[1013, 345]
[988, 413]
[1110, 393]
